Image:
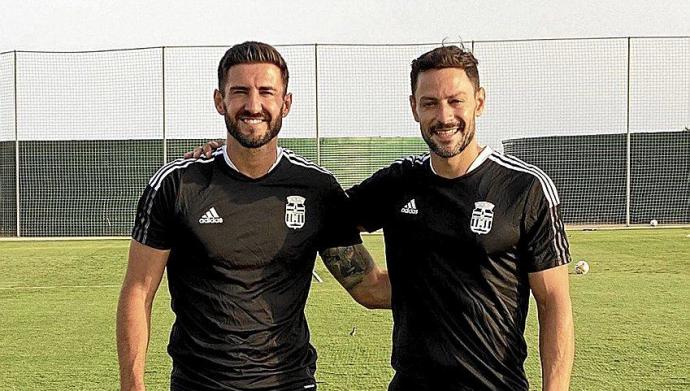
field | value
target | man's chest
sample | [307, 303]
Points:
[249, 226]
[485, 216]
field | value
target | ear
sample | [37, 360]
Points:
[413, 106]
[218, 102]
[287, 103]
[480, 97]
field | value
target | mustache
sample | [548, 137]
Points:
[440, 127]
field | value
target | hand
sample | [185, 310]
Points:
[206, 150]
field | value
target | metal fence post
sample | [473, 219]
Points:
[628, 147]
[316, 100]
[165, 138]
[16, 151]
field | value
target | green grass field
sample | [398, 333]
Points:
[632, 317]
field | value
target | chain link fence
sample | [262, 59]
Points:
[607, 119]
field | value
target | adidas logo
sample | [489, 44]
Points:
[211, 217]
[410, 208]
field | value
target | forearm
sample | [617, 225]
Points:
[356, 271]
[133, 325]
[374, 292]
[556, 345]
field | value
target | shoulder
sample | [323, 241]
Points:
[299, 163]
[411, 162]
[405, 166]
[529, 174]
[389, 179]
[176, 168]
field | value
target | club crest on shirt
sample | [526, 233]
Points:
[295, 212]
[482, 217]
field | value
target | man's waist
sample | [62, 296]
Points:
[477, 368]
[185, 378]
[243, 369]
[455, 379]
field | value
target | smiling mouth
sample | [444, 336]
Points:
[445, 133]
[252, 121]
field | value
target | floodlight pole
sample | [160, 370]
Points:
[628, 164]
[16, 150]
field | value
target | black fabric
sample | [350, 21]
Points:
[431, 382]
[459, 284]
[239, 286]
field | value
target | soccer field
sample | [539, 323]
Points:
[632, 317]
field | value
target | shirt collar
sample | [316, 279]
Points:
[481, 158]
[279, 155]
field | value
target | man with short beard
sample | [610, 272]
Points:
[469, 232]
[238, 233]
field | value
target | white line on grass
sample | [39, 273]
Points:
[62, 238]
[15, 288]
[65, 250]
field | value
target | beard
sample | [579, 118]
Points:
[448, 151]
[249, 141]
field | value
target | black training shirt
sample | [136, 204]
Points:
[458, 254]
[240, 267]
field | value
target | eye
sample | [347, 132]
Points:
[456, 102]
[428, 104]
[267, 93]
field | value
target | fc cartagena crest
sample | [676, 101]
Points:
[295, 212]
[482, 217]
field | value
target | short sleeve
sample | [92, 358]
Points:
[544, 242]
[339, 229]
[368, 200]
[155, 211]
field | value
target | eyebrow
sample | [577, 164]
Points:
[244, 88]
[237, 88]
[433, 98]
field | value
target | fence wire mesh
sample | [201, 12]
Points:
[659, 108]
[541, 94]
[8, 198]
[93, 126]
[90, 134]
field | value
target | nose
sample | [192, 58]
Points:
[445, 113]
[253, 103]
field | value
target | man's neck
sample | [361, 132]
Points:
[457, 165]
[252, 162]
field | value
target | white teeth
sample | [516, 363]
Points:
[445, 132]
[252, 121]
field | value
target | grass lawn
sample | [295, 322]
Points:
[632, 317]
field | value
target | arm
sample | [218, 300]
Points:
[144, 273]
[556, 331]
[356, 271]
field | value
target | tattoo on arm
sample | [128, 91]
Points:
[348, 264]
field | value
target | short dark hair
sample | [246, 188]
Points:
[445, 57]
[251, 52]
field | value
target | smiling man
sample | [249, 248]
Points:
[469, 233]
[238, 233]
